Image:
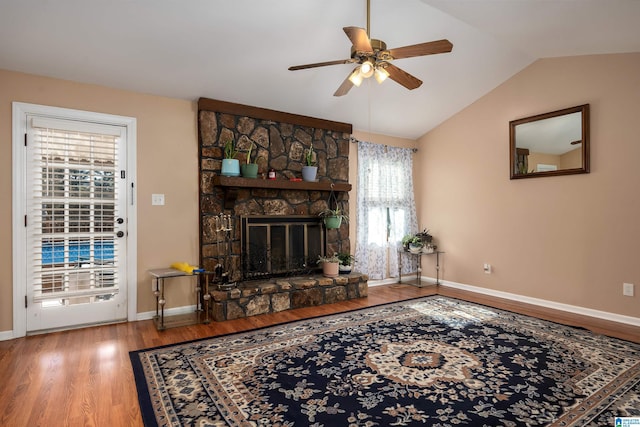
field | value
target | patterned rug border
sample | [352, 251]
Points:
[145, 400]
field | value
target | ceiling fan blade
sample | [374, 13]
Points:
[321, 64]
[359, 38]
[428, 48]
[402, 77]
[344, 87]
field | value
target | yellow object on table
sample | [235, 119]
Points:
[184, 266]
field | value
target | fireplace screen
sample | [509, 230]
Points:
[280, 245]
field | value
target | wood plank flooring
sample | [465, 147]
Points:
[83, 377]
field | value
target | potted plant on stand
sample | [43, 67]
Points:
[333, 217]
[248, 169]
[329, 265]
[406, 240]
[415, 245]
[346, 262]
[230, 165]
[309, 169]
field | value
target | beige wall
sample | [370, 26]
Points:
[570, 239]
[166, 163]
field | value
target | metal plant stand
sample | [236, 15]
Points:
[418, 281]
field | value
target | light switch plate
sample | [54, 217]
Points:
[157, 199]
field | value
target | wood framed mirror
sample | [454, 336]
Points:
[550, 144]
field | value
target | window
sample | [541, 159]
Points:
[385, 206]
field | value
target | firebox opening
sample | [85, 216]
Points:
[277, 246]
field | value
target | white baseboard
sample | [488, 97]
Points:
[167, 312]
[605, 315]
[381, 282]
[6, 335]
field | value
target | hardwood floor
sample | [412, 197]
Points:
[83, 377]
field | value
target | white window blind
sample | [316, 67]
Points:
[72, 210]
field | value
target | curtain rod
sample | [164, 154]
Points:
[353, 140]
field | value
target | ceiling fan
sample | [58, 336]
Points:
[374, 59]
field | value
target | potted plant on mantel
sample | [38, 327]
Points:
[346, 262]
[333, 217]
[329, 265]
[248, 169]
[230, 165]
[309, 169]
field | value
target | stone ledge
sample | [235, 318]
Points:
[261, 297]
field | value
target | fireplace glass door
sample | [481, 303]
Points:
[275, 246]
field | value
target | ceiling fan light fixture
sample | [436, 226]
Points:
[380, 74]
[366, 69]
[356, 77]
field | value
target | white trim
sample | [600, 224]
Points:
[18, 246]
[74, 126]
[389, 281]
[6, 335]
[19, 126]
[187, 309]
[604, 315]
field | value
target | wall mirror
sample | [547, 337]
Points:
[550, 144]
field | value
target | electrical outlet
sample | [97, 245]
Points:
[487, 268]
[627, 289]
[157, 199]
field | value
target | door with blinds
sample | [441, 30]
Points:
[76, 224]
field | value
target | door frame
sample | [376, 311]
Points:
[19, 249]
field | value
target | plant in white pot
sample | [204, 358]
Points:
[230, 165]
[415, 245]
[309, 169]
[248, 169]
[329, 264]
[333, 218]
[346, 262]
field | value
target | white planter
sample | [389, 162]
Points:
[415, 249]
[309, 173]
[345, 269]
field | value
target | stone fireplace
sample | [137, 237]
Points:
[280, 214]
[276, 234]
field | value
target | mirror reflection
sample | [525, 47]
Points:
[555, 143]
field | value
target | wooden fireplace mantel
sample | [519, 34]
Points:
[230, 186]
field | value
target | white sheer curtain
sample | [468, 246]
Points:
[386, 208]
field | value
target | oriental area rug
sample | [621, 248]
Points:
[431, 361]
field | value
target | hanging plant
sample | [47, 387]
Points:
[333, 215]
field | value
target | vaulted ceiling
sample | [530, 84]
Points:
[239, 50]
